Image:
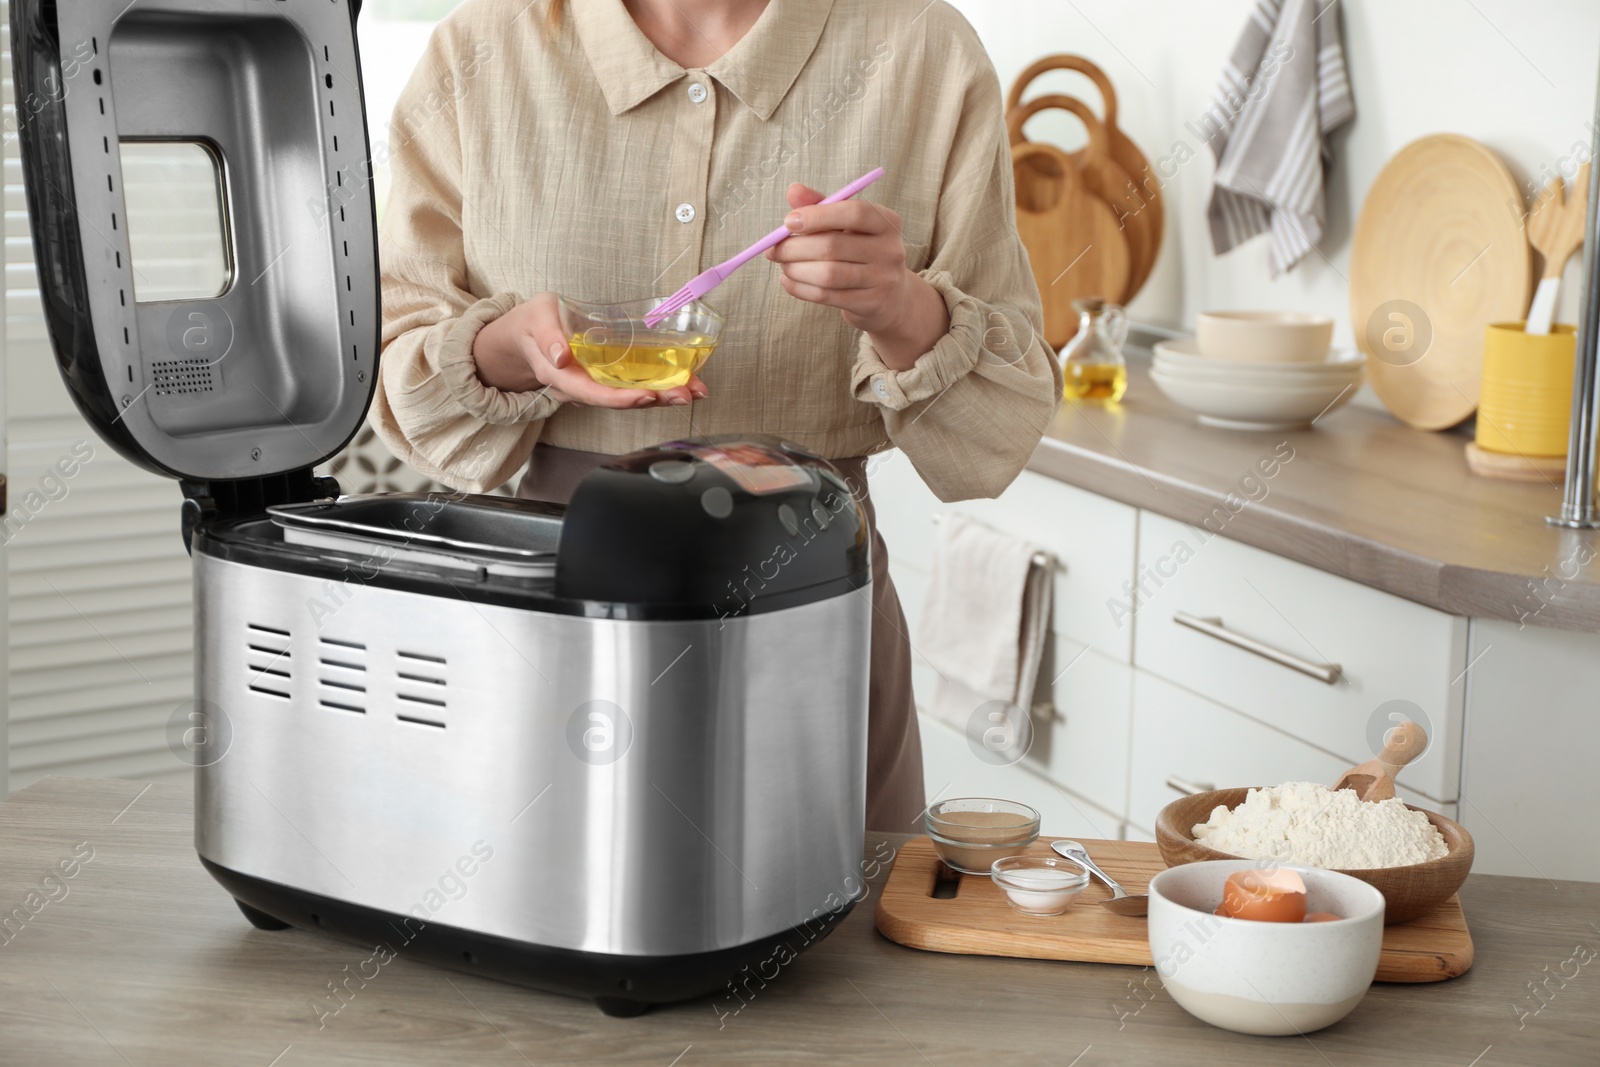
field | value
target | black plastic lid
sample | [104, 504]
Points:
[729, 525]
[274, 373]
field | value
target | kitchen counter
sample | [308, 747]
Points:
[144, 961]
[1364, 497]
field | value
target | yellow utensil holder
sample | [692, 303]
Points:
[1525, 406]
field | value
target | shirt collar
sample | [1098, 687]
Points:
[759, 70]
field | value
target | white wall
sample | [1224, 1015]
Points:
[1518, 76]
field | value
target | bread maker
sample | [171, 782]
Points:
[615, 748]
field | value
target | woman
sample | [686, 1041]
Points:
[609, 150]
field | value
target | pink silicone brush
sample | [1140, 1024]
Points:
[706, 281]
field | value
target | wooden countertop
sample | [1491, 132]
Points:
[145, 961]
[1364, 497]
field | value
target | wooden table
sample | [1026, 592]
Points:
[145, 961]
[1365, 497]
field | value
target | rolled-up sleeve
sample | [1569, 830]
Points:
[970, 411]
[430, 407]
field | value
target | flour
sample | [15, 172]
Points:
[1310, 824]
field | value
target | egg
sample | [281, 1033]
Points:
[1274, 895]
[1320, 917]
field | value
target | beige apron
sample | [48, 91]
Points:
[894, 748]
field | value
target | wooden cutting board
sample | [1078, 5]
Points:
[977, 921]
[1075, 245]
[1101, 176]
[1439, 252]
[1123, 150]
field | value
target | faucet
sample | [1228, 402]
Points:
[1578, 508]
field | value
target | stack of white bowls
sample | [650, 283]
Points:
[1258, 370]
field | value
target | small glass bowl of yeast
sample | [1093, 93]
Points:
[970, 833]
[612, 342]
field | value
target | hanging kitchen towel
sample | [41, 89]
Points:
[1282, 93]
[986, 619]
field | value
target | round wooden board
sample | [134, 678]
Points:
[1439, 253]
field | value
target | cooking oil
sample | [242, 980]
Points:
[1092, 368]
[1095, 382]
[642, 366]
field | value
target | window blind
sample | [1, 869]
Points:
[100, 636]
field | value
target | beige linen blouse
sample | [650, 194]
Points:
[578, 159]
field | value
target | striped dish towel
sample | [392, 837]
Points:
[1282, 93]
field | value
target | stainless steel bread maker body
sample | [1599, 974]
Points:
[614, 748]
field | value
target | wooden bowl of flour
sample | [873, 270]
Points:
[1408, 892]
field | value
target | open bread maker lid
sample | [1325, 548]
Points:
[197, 176]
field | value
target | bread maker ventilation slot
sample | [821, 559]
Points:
[176, 376]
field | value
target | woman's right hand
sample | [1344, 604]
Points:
[526, 349]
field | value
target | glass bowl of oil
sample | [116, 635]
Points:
[612, 342]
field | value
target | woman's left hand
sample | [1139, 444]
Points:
[851, 256]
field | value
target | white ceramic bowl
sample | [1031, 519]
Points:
[1317, 374]
[1261, 977]
[1264, 336]
[1185, 355]
[1257, 406]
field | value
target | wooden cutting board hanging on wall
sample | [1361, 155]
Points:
[1075, 245]
[1124, 152]
[1101, 176]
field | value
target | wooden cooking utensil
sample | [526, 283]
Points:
[1123, 150]
[1074, 244]
[1439, 252]
[1374, 779]
[1555, 228]
[1101, 176]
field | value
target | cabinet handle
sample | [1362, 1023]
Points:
[1327, 673]
[1186, 787]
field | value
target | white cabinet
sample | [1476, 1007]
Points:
[1092, 538]
[1182, 741]
[1085, 745]
[951, 770]
[1142, 698]
[1388, 649]
[1530, 790]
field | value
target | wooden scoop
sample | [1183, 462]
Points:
[1374, 779]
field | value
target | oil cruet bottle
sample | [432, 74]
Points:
[1092, 367]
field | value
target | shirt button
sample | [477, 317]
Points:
[685, 213]
[881, 388]
[697, 93]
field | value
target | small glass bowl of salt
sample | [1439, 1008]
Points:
[1039, 885]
